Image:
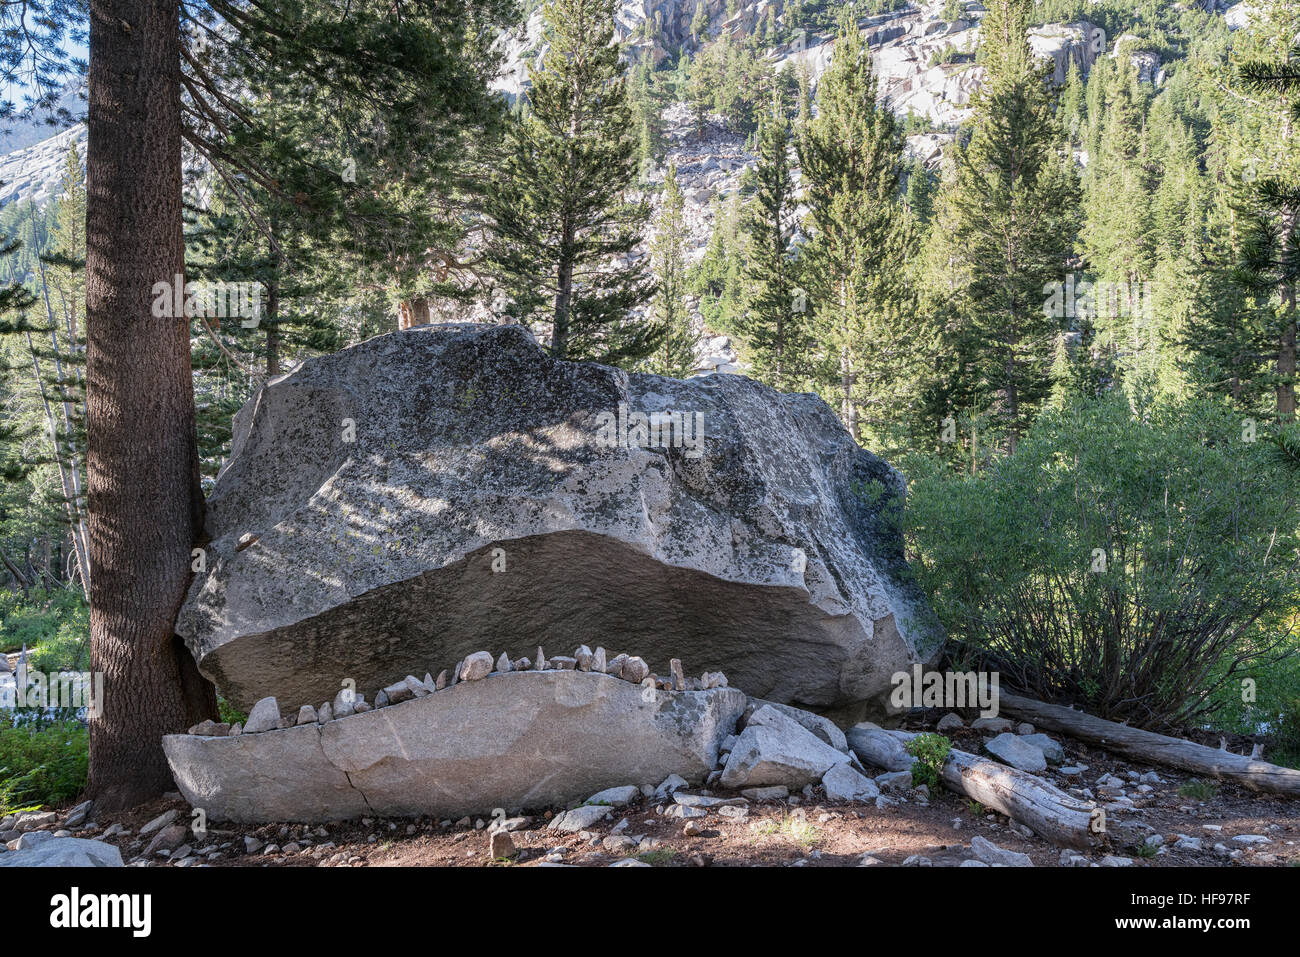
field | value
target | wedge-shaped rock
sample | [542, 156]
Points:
[519, 740]
[425, 489]
[824, 728]
[776, 749]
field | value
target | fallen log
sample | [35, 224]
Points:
[1046, 810]
[1155, 748]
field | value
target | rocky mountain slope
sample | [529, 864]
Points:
[925, 64]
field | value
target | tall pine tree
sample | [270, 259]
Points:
[565, 222]
[859, 242]
[675, 355]
[1007, 221]
[773, 326]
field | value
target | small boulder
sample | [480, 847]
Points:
[578, 819]
[476, 667]
[1012, 750]
[616, 797]
[842, 783]
[1052, 750]
[161, 821]
[65, 852]
[502, 846]
[995, 856]
[635, 670]
[775, 749]
[949, 722]
[265, 716]
[996, 725]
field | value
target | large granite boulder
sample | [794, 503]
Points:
[518, 740]
[395, 506]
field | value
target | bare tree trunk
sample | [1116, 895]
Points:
[1155, 748]
[145, 506]
[68, 460]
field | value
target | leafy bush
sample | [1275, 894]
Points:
[41, 764]
[1134, 568]
[930, 751]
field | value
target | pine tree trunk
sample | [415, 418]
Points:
[1286, 359]
[145, 507]
[563, 298]
[270, 317]
[413, 312]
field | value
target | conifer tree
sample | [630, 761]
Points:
[565, 223]
[859, 242]
[675, 355]
[1008, 219]
[774, 323]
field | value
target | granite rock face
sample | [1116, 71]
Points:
[427, 492]
[516, 740]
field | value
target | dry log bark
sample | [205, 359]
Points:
[1155, 748]
[1046, 810]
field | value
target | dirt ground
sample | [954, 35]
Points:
[801, 831]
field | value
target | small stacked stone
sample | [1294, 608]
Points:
[266, 716]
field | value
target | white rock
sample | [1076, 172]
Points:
[669, 784]
[775, 749]
[476, 667]
[995, 856]
[578, 819]
[616, 797]
[842, 783]
[265, 716]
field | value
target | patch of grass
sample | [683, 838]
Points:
[41, 765]
[1199, 789]
[660, 855]
[975, 807]
[797, 828]
[930, 751]
[1146, 850]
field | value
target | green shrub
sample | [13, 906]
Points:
[1199, 790]
[1134, 568]
[930, 751]
[53, 625]
[41, 764]
[229, 713]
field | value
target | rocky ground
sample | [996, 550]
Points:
[1187, 822]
